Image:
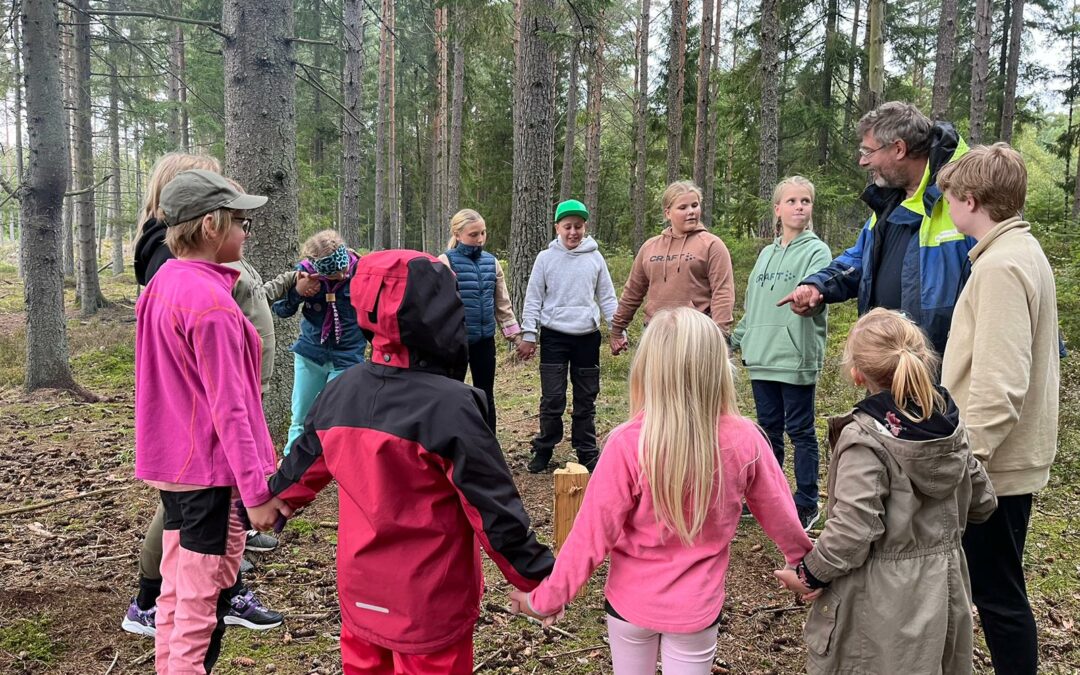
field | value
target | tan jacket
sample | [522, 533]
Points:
[692, 270]
[899, 600]
[254, 299]
[1001, 361]
[504, 309]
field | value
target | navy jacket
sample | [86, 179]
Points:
[475, 269]
[344, 353]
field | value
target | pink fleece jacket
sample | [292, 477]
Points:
[198, 413]
[654, 581]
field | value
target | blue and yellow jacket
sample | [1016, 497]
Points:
[936, 263]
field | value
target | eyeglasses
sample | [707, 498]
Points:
[866, 152]
[245, 224]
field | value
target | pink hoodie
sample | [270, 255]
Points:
[198, 413]
[654, 581]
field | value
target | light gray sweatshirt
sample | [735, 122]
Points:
[568, 289]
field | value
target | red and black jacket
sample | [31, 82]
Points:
[422, 483]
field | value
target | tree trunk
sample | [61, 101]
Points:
[438, 212]
[876, 17]
[641, 109]
[998, 91]
[42, 199]
[381, 238]
[730, 165]
[457, 108]
[676, 82]
[393, 164]
[849, 109]
[701, 118]
[708, 203]
[353, 86]
[534, 143]
[318, 140]
[19, 160]
[260, 152]
[67, 66]
[980, 70]
[828, 63]
[176, 48]
[1076, 195]
[566, 184]
[594, 107]
[116, 219]
[945, 60]
[770, 111]
[1008, 108]
[90, 299]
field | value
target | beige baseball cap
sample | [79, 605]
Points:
[195, 193]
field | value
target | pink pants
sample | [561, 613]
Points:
[188, 607]
[634, 650]
[361, 657]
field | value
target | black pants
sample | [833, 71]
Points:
[482, 367]
[580, 354]
[995, 556]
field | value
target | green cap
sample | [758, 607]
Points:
[571, 207]
[197, 192]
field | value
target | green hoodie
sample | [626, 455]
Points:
[777, 344]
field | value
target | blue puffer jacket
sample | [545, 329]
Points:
[475, 269]
[936, 263]
[347, 351]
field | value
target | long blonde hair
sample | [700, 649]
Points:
[778, 192]
[459, 222]
[681, 379]
[893, 353]
[165, 169]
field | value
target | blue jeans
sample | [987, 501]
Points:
[790, 407]
[309, 378]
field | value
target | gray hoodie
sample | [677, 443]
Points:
[568, 289]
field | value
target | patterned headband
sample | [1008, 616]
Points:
[333, 263]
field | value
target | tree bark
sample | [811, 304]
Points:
[41, 201]
[1008, 108]
[67, 66]
[260, 152]
[641, 108]
[701, 117]
[534, 143]
[708, 203]
[676, 83]
[438, 212]
[90, 298]
[353, 85]
[828, 63]
[393, 164]
[176, 49]
[876, 17]
[945, 59]
[594, 106]
[729, 167]
[19, 159]
[457, 107]
[997, 92]
[116, 219]
[980, 70]
[849, 108]
[380, 235]
[566, 183]
[770, 111]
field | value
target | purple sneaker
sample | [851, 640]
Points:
[140, 622]
[247, 611]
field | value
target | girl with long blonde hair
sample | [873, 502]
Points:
[665, 501]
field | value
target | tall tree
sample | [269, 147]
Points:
[534, 142]
[177, 125]
[945, 59]
[676, 84]
[701, 118]
[115, 210]
[457, 108]
[641, 108]
[439, 146]
[980, 71]
[1008, 108]
[770, 108]
[90, 298]
[876, 56]
[67, 67]
[566, 183]
[853, 58]
[260, 150]
[353, 86]
[592, 130]
[708, 201]
[393, 167]
[41, 200]
[382, 211]
[828, 64]
[19, 160]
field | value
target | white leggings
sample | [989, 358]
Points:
[634, 649]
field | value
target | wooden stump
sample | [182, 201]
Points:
[570, 485]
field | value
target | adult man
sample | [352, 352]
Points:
[909, 255]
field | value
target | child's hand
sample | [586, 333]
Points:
[306, 285]
[619, 344]
[789, 579]
[525, 350]
[519, 604]
[266, 515]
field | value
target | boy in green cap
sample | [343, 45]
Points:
[568, 290]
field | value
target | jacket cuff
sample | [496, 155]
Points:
[255, 495]
[816, 569]
[528, 336]
[511, 330]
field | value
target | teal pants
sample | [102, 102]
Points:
[309, 378]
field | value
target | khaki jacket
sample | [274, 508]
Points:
[254, 298]
[899, 599]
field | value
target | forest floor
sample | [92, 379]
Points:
[68, 571]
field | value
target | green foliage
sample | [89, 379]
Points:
[30, 638]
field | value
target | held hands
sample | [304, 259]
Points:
[619, 343]
[306, 285]
[266, 516]
[789, 579]
[804, 299]
[519, 604]
[526, 350]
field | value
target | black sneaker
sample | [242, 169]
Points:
[259, 542]
[247, 611]
[808, 516]
[539, 462]
[746, 511]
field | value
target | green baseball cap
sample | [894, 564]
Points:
[571, 207]
[197, 192]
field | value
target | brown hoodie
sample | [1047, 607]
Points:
[691, 270]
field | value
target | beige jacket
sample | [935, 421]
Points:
[899, 599]
[1001, 361]
[254, 298]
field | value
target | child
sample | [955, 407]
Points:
[665, 501]
[330, 339]
[200, 436]
[422, 483]
[782, 350]
[250, 294]
[487, 302]
[902, 486]
[684, 266]
[568, 289]
[1003, 358]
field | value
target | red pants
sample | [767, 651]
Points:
[359, 656]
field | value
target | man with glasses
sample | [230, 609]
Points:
[909, 255]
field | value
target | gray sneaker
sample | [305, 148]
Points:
[259, 542]
[808, 516]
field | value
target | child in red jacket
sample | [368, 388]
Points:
[422, 483]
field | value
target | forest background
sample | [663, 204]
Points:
[382, 117]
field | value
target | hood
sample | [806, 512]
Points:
[801, 239]
[933, 453]
[587, 245]
[945, 145]
[408, 306]
[669, 231]
[150, 242]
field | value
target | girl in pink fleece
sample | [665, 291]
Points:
[200, 436]
[665, 502]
